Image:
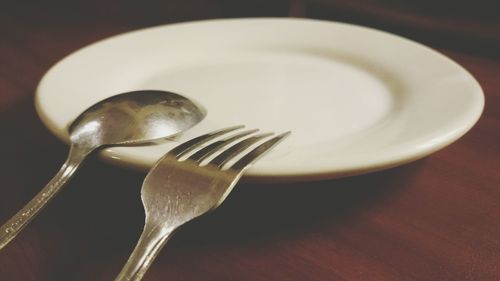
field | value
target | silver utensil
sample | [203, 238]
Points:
[131, 118]
[178, 190]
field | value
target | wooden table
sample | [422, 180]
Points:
[434, 219]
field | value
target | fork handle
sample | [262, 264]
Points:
[14, 225]
[152, 240]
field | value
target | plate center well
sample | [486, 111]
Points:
[317, 99]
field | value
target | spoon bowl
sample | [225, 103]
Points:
[135, 118]
[132, 118]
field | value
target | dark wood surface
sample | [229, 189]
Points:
[434, 219]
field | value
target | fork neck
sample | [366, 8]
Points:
[152, 240]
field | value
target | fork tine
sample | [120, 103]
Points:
[192, 144]
[208, 150]
[257, 152]
[237, 148]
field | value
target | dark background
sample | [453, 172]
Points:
[434, 219]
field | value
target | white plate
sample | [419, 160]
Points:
[356, 99]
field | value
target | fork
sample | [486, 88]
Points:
[182, 186]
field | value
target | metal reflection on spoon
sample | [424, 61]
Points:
[133, 118]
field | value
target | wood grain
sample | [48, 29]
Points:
[435, 219]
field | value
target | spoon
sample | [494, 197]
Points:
[133, 118]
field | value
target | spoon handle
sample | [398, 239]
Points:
[152, 240]
[15, 224]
